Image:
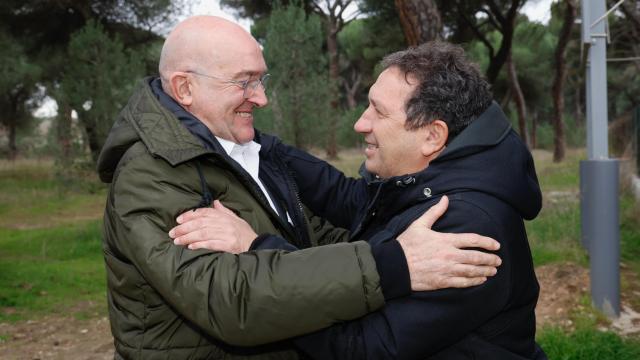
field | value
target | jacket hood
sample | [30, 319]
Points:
[145, 119]
[488, 156]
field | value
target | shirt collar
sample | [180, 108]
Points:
[230, 146]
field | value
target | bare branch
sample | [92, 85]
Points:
[497, 12]
[318, 9]
[332, 8]
[491, 19]
[630, 14]
[344, 6]
[353, 17]
[479, 34]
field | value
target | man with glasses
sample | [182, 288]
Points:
[186, 139]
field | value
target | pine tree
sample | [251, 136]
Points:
[299, 87]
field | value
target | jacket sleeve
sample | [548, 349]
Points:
[322, 232]
[425, 322]
[327, 191]
[247, 299]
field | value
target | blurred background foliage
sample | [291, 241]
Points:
[85, 56]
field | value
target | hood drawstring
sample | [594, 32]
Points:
[207, 198]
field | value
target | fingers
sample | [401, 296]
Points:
[447, 282]
[195, 214]
[463, 282]
[203, 212]
[194, 224]
[214, 245]
[218, 206]
[434, 213]
[198, 235]
[473, 241]
[474, 257]
[472, 271]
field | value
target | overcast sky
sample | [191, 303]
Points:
[537, 10]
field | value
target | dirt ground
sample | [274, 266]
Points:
[67, 338]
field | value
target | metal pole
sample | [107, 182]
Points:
[597, 75]
[602, 232]
[599, 174]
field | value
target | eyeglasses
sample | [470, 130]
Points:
[248, 86]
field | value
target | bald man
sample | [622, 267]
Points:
[186, 139]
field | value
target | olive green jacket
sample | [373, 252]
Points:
[168, 302]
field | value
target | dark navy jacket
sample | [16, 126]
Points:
[490, 179]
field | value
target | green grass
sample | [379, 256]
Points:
[588, 340]
[558, 176]
[630, 232]
[50, 247]
[587, 343]
[31, 195]
[50, 270]
[555, 234]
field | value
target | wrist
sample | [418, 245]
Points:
[393, 269]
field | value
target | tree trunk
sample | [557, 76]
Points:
[500, 18]
[298, 135]
[534, 130]
[578, 112]
[506, 100]
[16, 101]
[64, 133]
[508, 25]
[334, 75]
[278, 117]
[333, 17]
[420, 19]
[13, 149]
[519, 99]
[93, 137]
[352, 89]
[559, 142]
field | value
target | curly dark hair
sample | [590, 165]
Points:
[451, 87]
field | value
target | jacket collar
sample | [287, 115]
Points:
[155, 119]
[487, 130]
[188, 120]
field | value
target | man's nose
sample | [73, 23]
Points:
[363, 125]
[259, 97]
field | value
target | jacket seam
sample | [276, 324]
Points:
[364, 279]
[144, 322]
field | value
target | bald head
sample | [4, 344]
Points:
[206, 66]
[204, 44]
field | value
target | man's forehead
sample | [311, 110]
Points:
[392, 80]
[239, 64]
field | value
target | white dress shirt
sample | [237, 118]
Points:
[247, 155]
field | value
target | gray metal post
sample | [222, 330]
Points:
[589, 106]
[599, 174]
[585, 207]
[603, 232]
[597, 68]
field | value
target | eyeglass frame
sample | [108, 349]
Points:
[243, 84]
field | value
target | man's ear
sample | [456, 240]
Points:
[436, 135]
[181, 88]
